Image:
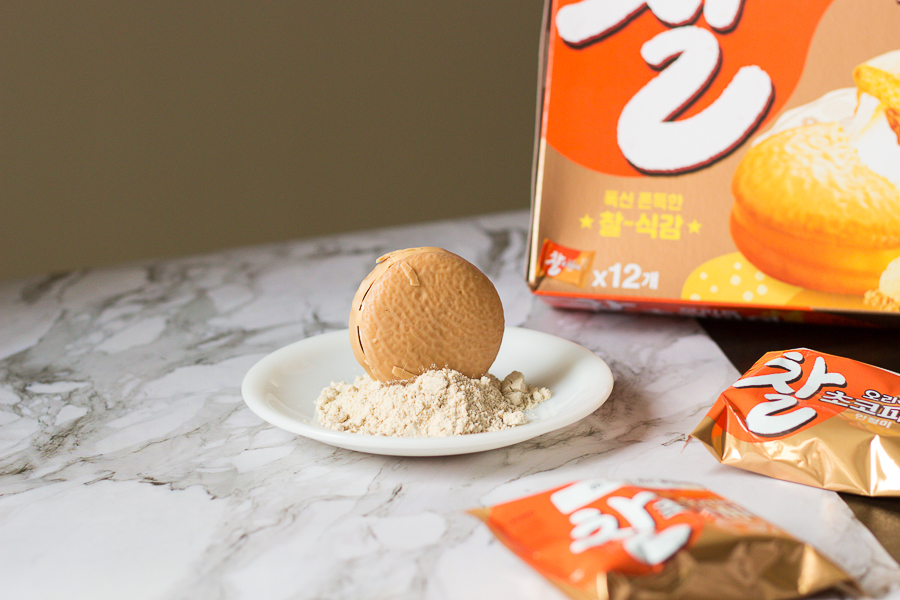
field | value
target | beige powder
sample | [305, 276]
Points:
[436, 403]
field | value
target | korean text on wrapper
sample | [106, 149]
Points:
[609, 540]
[812, 418]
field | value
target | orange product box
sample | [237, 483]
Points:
[735, 158]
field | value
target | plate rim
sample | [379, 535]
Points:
[416, 446]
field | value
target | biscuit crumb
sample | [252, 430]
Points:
[410, 274]
[877, 300]
[401, 373]
[887, 296]
[437, 403]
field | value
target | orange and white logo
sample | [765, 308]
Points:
[790, 391]
[669, 86]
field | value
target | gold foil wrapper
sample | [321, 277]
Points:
[851, 443]
[723, 567]
[637, 546]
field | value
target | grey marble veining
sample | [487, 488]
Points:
[131, 468]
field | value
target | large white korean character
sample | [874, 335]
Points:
[818, 378]
[640, 538]
[689, 58]
[593, 528]
[789, 361]
[770, 418]
[677, 12]
[646, 544]
[585, 21]
[722, 15]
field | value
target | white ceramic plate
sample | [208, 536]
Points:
[282, 389]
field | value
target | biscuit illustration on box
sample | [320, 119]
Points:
[817, 198]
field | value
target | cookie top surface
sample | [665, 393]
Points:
[424, 308]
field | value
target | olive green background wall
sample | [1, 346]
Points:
[132, 130]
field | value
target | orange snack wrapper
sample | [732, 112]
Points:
[565, 264]
[613, 540]
[812, 418]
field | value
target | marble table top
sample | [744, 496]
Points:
[130, 466]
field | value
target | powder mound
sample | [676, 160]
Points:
[437, 403]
